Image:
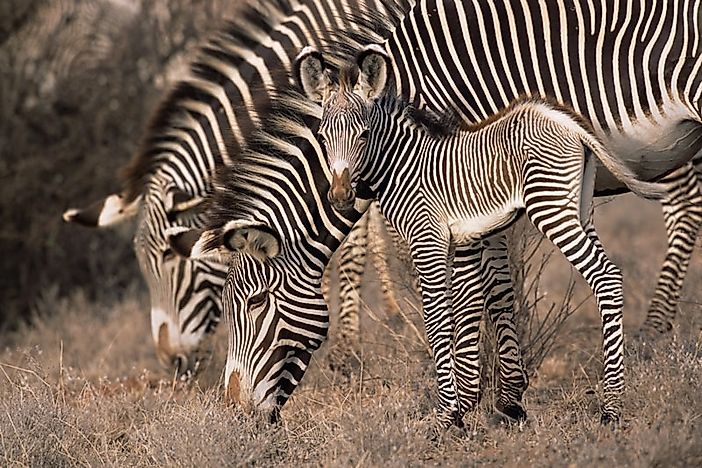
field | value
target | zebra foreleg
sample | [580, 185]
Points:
[378, 248]
[430, 251]
[498, 292]
[682, 212]
[352, 260]
[467, 309]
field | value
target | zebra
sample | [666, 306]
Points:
[443, 186]
[203, 124]
[256, 376]
[632, 67]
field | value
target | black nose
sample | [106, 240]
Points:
[343, 203]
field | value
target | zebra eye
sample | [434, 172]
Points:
[168, 254]
[258, 300]
[364, 135]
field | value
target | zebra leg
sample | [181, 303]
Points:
[430, 250]
[352, 261]
[467, 305]
[562, 226]
[379, 254]
[682, 212]
[498, 292]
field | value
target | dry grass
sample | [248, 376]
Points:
[81, 386]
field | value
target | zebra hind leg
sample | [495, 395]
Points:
[682, 212]
[498, 292]
[562, 225]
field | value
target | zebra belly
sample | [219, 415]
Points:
[471, 228]
[652, 153]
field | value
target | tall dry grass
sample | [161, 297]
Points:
[80, 386]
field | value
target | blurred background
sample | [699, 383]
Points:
[79, 80]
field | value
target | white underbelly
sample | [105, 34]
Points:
[653, 150]
[466, 229]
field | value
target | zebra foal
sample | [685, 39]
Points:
[441, 186]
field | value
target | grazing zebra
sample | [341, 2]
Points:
[632, 67]
[441, 187]
[203, 124]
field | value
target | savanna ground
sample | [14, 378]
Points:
[79, 381]
[80, 385]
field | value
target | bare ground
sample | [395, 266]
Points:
[81, 386]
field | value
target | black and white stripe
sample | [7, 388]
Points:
[453, 188]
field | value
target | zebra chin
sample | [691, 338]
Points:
[341, 194]
[342, 200]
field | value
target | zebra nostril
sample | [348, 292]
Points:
[181, 364]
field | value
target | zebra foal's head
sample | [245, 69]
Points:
[346, 103]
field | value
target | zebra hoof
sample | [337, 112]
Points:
[610, 420]
[513, 414]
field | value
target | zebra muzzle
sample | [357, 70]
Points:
[341, 194]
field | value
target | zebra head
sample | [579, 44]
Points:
[185, 295]
[275, 319]
[346, 105]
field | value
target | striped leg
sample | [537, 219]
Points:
[467, 305]
[379, 253]
[682, 211]
[499, 301]
[430, 250]
[352, 261]
[562, 226]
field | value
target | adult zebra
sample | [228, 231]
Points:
[265, 378]
[631, 67]
[203, 124]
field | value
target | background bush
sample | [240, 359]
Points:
[79, 81]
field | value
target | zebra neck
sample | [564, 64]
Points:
[398, 148]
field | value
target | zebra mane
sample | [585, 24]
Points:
[170, 111]
[442, 125]
[272, 148]
[438, 125]
[254, 19]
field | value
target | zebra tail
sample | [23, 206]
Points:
[648, 190]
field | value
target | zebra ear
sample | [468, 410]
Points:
[179, 203]
[373, 68]
[257, 240]
[310, 73]
[107, 212]
[196, 244]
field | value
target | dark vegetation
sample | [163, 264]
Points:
[79, 80]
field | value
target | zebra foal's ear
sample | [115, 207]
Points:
[109, 211]
[373, 69]
[257, 240]
[310, 73]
